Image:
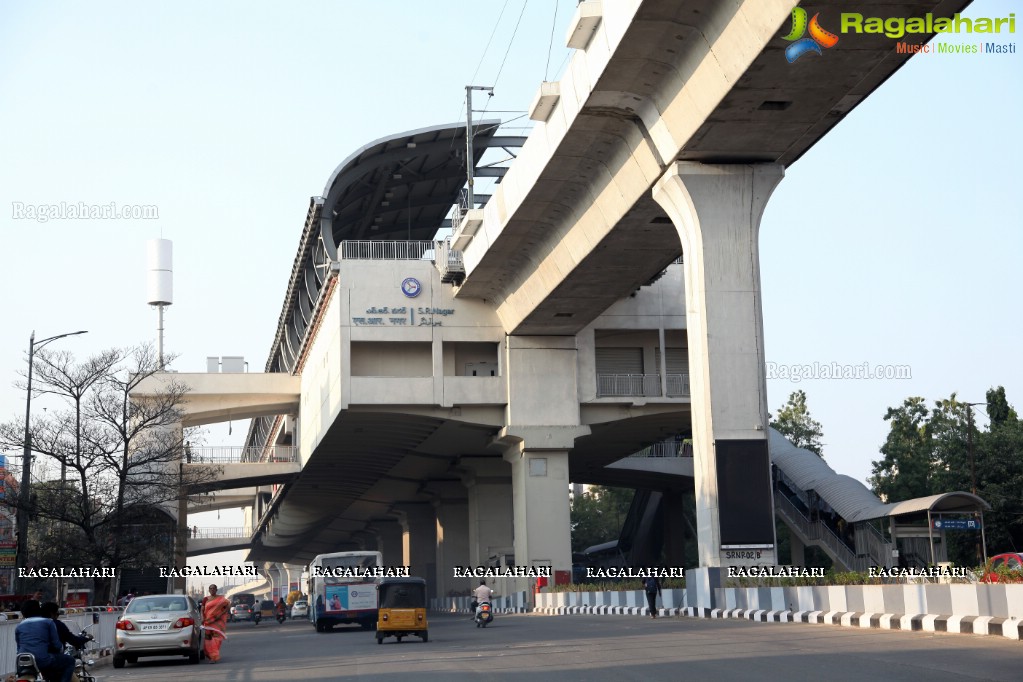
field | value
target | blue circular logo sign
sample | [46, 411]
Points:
[411, 287]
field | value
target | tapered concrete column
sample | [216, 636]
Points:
[488, 486]
[389, 541]
[673, 509]
[451, 510]
[798, 550]
[543, 527]
[419, 541]
[717, 211]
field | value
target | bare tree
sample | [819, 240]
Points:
[120, 462]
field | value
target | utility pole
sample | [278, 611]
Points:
[470, 157]
[26, 460]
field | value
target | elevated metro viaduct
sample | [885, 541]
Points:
[474, 384]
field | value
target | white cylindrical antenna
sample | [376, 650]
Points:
[159, 283]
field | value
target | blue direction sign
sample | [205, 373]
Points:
[956, 524]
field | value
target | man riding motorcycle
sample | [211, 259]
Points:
[481, 594]
[38, 636]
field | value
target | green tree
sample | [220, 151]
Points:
[905, 471]
[999, 453]
[598, 515]
[795, 423]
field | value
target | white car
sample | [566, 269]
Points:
[300, 609]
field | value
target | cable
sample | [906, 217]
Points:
[483, 56]
[511, 42]
[551, 45]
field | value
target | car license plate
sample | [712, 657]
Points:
[152, 626]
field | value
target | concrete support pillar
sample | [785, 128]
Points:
[717, 211]
[673, 508]
[540, 484]
[489, 506]
[451, 510]
[419, 541]
[798, 550]
[388, 541]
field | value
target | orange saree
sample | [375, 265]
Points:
[214, 622]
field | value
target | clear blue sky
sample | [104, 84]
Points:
[895, 240]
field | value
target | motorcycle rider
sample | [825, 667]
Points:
[282, 610]
[37, 635]
[482, 594]
[52, 611]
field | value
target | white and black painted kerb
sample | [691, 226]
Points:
[997, 610]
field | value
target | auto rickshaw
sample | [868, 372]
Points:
[402, 609]
[267, 609]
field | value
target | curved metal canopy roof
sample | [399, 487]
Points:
[399, 187]
[848, 497]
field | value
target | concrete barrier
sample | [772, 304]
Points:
[978, 609]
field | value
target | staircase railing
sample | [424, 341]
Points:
[816, 532]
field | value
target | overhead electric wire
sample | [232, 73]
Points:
[511, 42]
[483, 56]
[551, 45]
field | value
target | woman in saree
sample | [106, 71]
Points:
[215, 610]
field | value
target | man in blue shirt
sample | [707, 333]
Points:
[37, 635]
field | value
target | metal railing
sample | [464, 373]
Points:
[218, 533]
[449, 262]
[647, 385]
[238, 454]
[819, 532]
[677, 385]
[666, 448]
[386, 250]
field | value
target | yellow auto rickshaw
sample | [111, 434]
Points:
[402, 609]
[267, 609]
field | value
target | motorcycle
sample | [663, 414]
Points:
[28, 671]
[256, 617]
[484, 614]
[281, 617]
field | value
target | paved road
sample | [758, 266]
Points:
[567, 648]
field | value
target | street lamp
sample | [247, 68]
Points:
[969, 444]
[26, 458]
[973, 469]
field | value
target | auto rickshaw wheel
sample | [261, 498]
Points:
[398, 637]
[425, 636]
[380, 639]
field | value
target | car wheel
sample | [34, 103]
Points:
[118, 661]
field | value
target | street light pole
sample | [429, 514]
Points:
[26, 457]
[973, 467]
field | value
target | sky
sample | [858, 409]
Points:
[894, 241]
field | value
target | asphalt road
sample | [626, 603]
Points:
[566, 648]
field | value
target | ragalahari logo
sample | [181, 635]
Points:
[818, 38]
